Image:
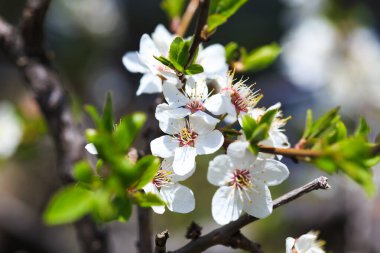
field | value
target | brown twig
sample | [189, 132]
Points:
[144, 244]
[160, 241]
[187, 17]
[223, 234]
[199, 36]
[23, 46]
[290, 152]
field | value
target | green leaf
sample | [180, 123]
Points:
[308, 123]
[164, 61]
[91, 110]
[221, 10]
[104, 209]
[147, 168]
[249, 125]
[231, 50]
[83, 171]
[173, 8]
[107, 119]
[128, 129]
[363, 128]
[261, 58]
[194, 69]
[268, 117]
[147, 199]
[69, 205]
[179, 53]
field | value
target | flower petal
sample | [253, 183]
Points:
[240, 156]
[150, 188]
[90, 147]
[179, 198]
[148, 49]
[220, 170]
[280, 140]
[213, 60]
[167, 164]
[202, 123]
[163, 146]
[196, 87]
[171, 125]
[132, 62]
[289, 244]
[215, 105]
[164, 112]
[226, 205]
[149, 83]
[184, 160]
[260, 203]
[162, 39]
[209, 143]
[269, 171]
[173, 96]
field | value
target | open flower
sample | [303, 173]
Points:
[234, 98]
[243, 180]
[181, 104]
[178, 198]
[276, 136]
[144, 62]
[10, 130]
[186, 139]
[307, 243]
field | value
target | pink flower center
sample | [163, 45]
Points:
[162, 178]
[195, 105]
[187, 137]
[239, 101]
[241, 179]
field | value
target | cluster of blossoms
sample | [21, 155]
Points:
[191, 119]
[306, 243]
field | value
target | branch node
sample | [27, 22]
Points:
[193, 231]
[323, 184]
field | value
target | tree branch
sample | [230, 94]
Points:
[160, 241]
[199, 37]
[23, 46]
[290, 152]
[144, 244]
[223, 234]
[239, 241]
[187, 17]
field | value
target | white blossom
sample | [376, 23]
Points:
[187, 138]
[243, 180]
[195, 98]
[178, 198]
[10, 130]
[233, 98]
[307, 243]
[90, 147]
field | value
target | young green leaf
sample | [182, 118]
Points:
[164, 61]
[91, 110]
[173, 8]
[147, 168]
[261, 58]
[363, 128]
[69, 205]
[221, 10]
[231, 50]
[147, 199]
[107, 119]
[83, 172]
[194, 69]
[179, 53]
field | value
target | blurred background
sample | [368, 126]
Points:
[330, 57]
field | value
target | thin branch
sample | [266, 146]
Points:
[239, 241]
[199, 37]
[187, 17]
[144, 244]
[290, 152]
[160, 241]
[25, 50]
[223, 234]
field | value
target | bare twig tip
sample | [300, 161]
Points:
[322, 183]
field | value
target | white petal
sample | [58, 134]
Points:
[153, 189]
[290, 244]
[148, 49]
[167, 164]
[149, 83]
[305, 242]
[179, 198]
[209, 143]
[269, 171]
[226, 205]
[163, 146]
[173, 96]
[90, 147]
[240, 156]
[260, 203]
[164, 112]
[280, 140]
[196, 88]
[162, 38]
[202, 123]
[220, 170]
[132, 62]
[184, 160]
[275, 106]
[213, 60]
[171, 125]
[215, 104]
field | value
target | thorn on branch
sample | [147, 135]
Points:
[193, 231]
[160, 241]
